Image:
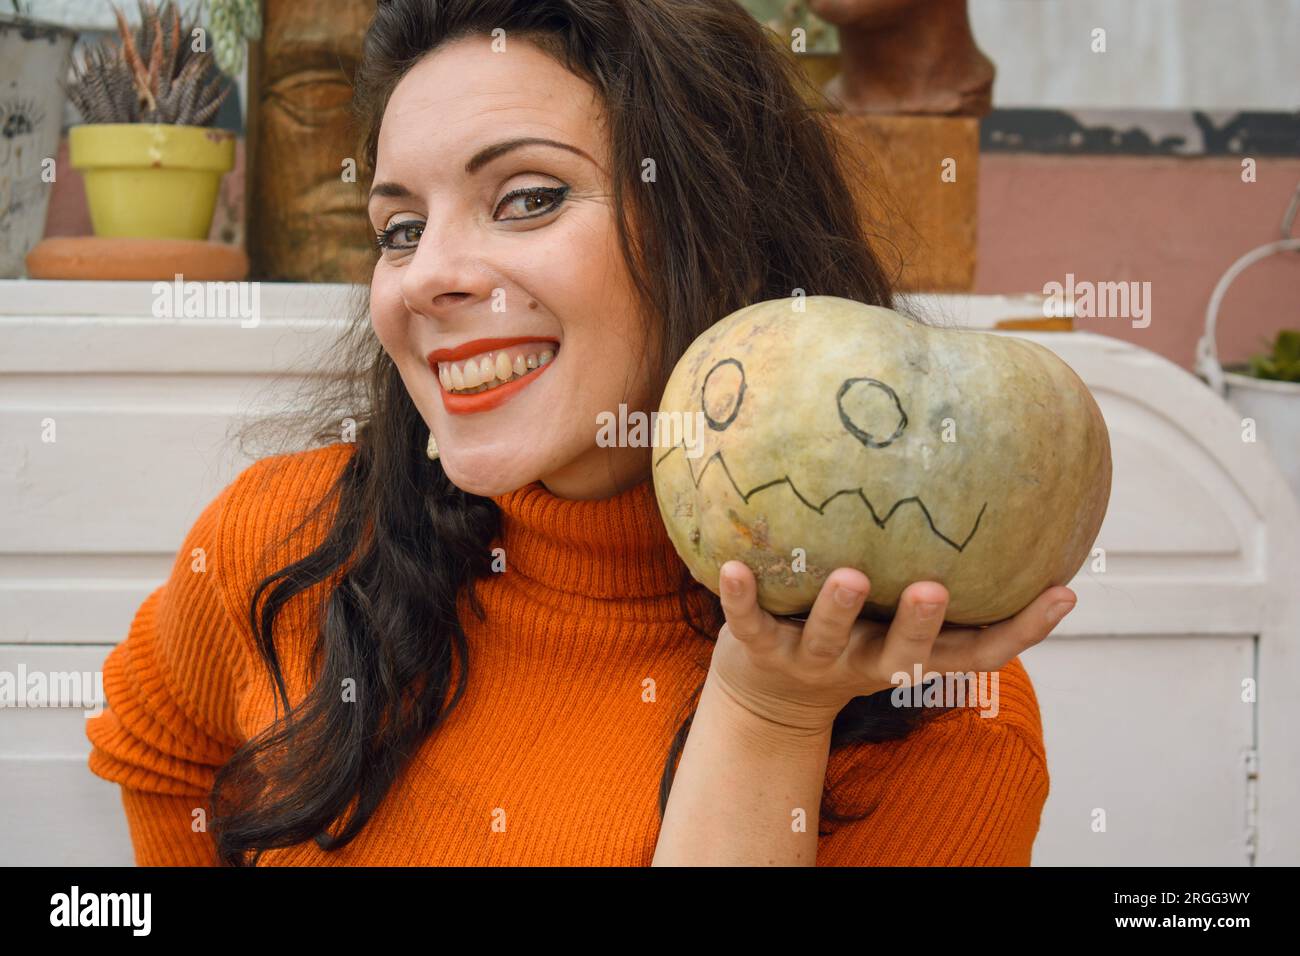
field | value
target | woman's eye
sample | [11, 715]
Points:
[533, 201]
[399, 235]
[528, 203]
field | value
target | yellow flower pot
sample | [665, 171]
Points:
[151, 180]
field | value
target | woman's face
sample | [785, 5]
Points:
[493, 242]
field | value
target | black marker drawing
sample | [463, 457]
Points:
[859, 433]
[721, 405]
[723, 395]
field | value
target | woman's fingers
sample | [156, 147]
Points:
[738, 594]
[830, 622]
[911, 636]
[990, 648]
[916, 638]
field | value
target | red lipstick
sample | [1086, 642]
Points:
[484, 401]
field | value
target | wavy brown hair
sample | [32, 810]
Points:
[752, 202]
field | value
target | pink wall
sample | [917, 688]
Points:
[1176, 223]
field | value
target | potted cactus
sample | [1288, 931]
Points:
[152, 163]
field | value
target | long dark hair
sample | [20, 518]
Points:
[752, 202]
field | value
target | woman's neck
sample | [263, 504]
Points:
[600, 473]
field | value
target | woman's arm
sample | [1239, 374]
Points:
[171, 686]
[746, 791]
[748, 786]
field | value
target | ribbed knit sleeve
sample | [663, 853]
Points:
[965, 790]
[172, 688]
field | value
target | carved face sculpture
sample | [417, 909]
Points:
[847, 435]
[306, 215]
[907, 56]
[866, 13]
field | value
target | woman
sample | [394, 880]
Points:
[487, 651]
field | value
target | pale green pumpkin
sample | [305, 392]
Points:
[848, 435]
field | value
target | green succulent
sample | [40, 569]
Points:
[232, 24]
[1282, 362]
[782, 16]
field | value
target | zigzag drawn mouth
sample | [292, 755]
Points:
[820, 509]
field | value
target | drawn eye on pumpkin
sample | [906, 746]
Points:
[722, 393]
[868, 403]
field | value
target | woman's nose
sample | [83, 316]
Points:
[445, 271]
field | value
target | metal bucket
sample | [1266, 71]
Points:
[1273, 405]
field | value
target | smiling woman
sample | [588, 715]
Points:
[493, 209]
[495, 656]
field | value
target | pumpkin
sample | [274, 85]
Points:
[809, 434]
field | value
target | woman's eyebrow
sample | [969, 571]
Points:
[489, 153]
[481, 159]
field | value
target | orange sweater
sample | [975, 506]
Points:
[556, 737]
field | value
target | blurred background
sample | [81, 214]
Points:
[1122, 165]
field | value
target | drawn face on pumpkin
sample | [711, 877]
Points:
[840, 434]
[870, 411]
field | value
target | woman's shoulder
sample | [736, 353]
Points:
[280, 489]
[174, 686]
[966, 786]
[273, 513]
[276, 511]
[977, 707]
[996, 702]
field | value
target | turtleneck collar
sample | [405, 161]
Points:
[605, 548]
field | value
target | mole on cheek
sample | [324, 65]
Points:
[532, 304]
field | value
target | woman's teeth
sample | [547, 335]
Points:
[490, 370]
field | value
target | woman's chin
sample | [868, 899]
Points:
[487, 476]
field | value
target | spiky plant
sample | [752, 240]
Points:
[115, 84]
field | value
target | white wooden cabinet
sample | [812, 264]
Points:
[1141, 687]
